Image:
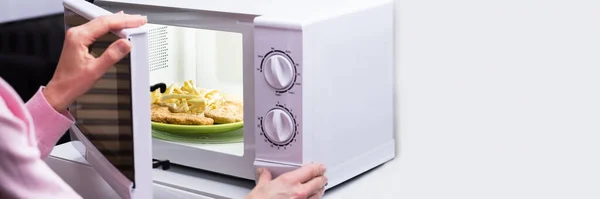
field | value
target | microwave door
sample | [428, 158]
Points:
[112, 120]
[214, 53]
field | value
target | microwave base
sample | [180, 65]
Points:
[336, 175]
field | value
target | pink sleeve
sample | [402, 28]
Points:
[22, 173]
[49, 124]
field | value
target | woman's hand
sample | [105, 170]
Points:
[77, 70]
[307, 182]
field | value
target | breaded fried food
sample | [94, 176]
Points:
[229, 112]
[163, 115]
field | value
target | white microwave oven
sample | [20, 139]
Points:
[242, 85]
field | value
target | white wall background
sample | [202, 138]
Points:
[498, 99]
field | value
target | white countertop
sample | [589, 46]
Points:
[377, 183]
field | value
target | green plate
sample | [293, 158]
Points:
[235, 136]
[195, 130]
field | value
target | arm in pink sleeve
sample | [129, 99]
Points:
[22, 173]
[49, 124]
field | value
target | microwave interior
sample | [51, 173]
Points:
[208, 64]
[196, 81]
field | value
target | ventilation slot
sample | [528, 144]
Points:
[158, 48]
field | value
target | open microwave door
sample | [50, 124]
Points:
[112, 127]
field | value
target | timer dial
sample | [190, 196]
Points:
[278, 126]
[278, 71]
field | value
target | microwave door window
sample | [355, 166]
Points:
[202, 70]
[103, 114]
[200, 114]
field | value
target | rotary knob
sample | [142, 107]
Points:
[278, 71]
[278, 126]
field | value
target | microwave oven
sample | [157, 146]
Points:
[243, 84]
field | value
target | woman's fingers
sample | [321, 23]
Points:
[263, 176]
[305, 182]
[102, 25]
[318, 194]
[307, 172]
[315, 186]
[115, 52]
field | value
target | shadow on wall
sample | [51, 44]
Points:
[29, 53]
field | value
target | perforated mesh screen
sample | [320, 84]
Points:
[158, 48]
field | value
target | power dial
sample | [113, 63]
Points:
[279, 71]
[278, 126]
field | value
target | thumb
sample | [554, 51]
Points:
[113, 54]
[264, 176]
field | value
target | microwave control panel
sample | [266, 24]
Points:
[278, 95]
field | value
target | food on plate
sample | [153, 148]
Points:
[229, 112]
[189, 105]
[163, 115]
